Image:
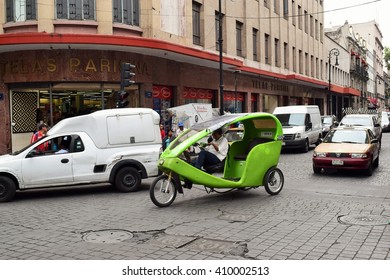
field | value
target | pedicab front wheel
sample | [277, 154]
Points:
[163, 191]
[273, 181]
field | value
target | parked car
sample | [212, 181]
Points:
[363, 120]
[118, 146]
[328, 123]
[347, 148]
[301, 126]
[385, 121]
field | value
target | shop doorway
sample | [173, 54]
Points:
[31, 105]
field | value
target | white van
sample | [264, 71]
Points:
[117, 146]
[301, 125]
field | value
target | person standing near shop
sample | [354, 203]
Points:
[180, 129]
[42, 130]
[162, 131]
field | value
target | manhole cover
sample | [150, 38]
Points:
[364, 220]
[107, 236]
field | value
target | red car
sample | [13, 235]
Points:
[347, 148]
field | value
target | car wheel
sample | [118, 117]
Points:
[376, 162]
[127, 179]
[370, 169]
[306, 147]
[317, 170]
[7, 189]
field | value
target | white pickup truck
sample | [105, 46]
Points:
[119, 146]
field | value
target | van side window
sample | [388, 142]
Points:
[307, 119]
[78, 144]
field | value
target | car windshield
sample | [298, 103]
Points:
[347, 136]
[291, 119]
[357, 121]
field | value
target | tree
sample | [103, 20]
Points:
[387, 57]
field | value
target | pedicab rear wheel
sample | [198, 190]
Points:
[163, 191]
[273, 181]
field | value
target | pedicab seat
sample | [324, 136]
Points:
[254, 142]
[216, 168]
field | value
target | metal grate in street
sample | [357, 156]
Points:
[107, 236]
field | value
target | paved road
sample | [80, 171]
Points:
[327, 216]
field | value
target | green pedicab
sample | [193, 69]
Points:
[250, 163]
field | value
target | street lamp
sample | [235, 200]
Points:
[236, 72]
[220, 42]
[336, 53]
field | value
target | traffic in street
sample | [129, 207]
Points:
[332, 215]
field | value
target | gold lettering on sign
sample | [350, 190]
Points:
[74, 63]
[90, 66]
[51, 65]
[36, 66]
[105, 64]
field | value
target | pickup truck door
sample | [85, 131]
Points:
[47, 170]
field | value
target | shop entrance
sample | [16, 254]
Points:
[31, 105]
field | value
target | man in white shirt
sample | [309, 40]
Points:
[215, 151]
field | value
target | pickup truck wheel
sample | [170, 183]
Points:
[127, 179]
[7, 189]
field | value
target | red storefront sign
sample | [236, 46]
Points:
[231, 95]
[197, 93]
[162, 92]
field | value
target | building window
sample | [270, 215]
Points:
[321, 33]
[239, 38]
[277, 61]
[294, 57]
[266, 48]
[285, 55]
[311, 26]
[300, 62]
[316, 28]
[306, 22]
[255, 32]
[299, 17]
[312, 66]
[126, 11]
[196, 23]
[306, 64]
[293, 13]
[21, 10]
[75, 9]
[285, 9]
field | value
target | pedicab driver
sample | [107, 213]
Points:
[215, 151]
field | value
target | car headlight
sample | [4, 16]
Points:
[297, 135]
[359, 155]
[319, 154]
[161, 162]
